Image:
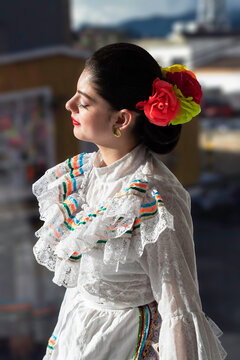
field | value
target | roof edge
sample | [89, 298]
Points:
[43, 52]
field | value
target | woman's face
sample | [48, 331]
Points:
[91, 115]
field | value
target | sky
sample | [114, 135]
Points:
[107, 12]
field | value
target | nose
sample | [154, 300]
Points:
[67, 105]
[71, 105]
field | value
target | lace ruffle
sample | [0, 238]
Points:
[59, 193]
[112, 221]
[111, 224]
[133, 218]
[152, 218]
[61, 181]
[188, 323]
[217, 332]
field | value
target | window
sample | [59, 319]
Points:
[26, 137]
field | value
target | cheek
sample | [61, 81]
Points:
[100, 130]
[95, 127]
[97, 123]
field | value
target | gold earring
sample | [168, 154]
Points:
[116, 131]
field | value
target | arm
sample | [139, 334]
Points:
[169, 262]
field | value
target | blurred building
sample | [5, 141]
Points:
[211, 17]
[27, 24]
[36, 132]
[184, 160]
[93, 37]
[38, 73]
[220, 136]
[39, 82]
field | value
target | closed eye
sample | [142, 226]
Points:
[83, 106]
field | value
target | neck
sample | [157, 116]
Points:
[110, 155]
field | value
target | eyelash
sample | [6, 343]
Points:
[83, 106]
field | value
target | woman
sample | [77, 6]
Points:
[118, 229]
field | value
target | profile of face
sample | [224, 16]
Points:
[92, 116]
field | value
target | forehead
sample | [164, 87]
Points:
[85, 83]
[86, 87]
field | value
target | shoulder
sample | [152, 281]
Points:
[64, 182]
[165, 203]
[164, 207]
[64, 175]
[161, 182]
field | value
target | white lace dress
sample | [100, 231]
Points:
[120, 239]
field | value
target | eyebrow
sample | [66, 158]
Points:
[87, 96]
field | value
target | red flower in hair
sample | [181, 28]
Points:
[188, 85]
[163, 106]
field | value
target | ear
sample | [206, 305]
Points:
[123, 119]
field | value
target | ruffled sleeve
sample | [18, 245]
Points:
[168, 257]
[61, 196]
[111, 224]
[71, 229]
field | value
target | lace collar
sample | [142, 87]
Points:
[129, 163]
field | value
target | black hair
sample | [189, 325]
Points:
[123, 74]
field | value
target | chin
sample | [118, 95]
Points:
[80, 136]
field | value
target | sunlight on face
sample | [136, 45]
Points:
[91, 114]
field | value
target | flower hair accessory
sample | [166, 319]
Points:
[175, 100]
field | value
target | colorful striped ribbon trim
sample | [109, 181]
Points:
[151, 209]
[147, 319]
[75, 165]
[52, 342]
[158, 198]
[72, 223]
[56, 232]
[138, 185]
[70, 205]
[75, 256]
[147, 210]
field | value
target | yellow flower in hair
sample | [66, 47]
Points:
[188, 108]
[173, 69]
[176, 68]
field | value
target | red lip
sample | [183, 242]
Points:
[75, 122]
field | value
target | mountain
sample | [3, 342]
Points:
[160, 26]
[234, 16]
[157, 26]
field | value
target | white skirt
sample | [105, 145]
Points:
[89, 331]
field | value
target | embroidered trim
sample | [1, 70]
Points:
[76, 256]
[51, 343]
[137, 185]
[72, 223]
[56, 232]
[70, 204]
[146, 211]
[70, 218]
[75, 165]
[147, 319]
